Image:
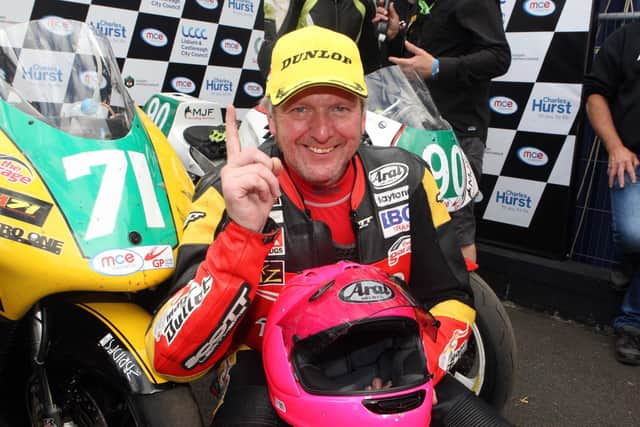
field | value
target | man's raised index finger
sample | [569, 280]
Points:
[231, 128]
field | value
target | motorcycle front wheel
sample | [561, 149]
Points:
[488, 365]
[84, 399]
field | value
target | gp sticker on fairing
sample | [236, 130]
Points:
[394, 220]
[388, 175]
[236, 309]
[366, 291]
[180, 309]
[121, 262]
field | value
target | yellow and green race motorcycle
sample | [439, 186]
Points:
[92, 203]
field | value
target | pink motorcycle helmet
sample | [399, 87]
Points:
[331, 333]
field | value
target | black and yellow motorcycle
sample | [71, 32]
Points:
[92, 203]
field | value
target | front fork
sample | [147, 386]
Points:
[42, 410]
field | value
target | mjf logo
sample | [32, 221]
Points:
[533, 156]
[503, 105]
[183, 84]
[366, 291]
[117, 262]
[153, 37]
[539, 7]
[194, 32]
[231, 47]
[548, 104]
[513, 198]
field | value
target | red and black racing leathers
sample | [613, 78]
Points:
[400, 225]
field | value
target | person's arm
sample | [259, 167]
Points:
[194, 328]
[439, 279]
[621, 159]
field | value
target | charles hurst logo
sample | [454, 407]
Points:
[533, 156]
[539, 7]
[548, 104]
[114, 30]
[503, 105]
[42, 73]
[153, 37]
[388, 175]
[515, 199]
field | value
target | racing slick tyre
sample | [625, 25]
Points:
[488, 365]
[85, 399]
[248, 406]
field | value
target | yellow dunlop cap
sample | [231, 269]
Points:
[314, 56]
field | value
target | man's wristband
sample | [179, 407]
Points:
[436, 68]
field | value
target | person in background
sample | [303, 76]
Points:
[612, 91]
[457, 46]
[308, 197]
[358, 19]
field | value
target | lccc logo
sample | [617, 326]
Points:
[194, 33]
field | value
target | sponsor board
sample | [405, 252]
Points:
[514, 201]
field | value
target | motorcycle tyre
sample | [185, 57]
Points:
[247, 406]
[493, 327]
[171, 407]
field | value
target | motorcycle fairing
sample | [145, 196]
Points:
[122, 175]
[118, 335]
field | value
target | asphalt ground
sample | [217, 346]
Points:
[566, 376]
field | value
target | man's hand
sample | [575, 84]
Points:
[421, 61]
[249, 180]
[390, 16]
[622, 160]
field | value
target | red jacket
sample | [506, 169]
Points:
[400, 224]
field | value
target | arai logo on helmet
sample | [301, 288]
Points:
[533, 156]
[57, 25]
[231, 46]
[117, 262]
[503, 105]
[539, 7]
[208, 4]
[183, 84]
[365, 291]
[253, 89]
[387, 175]
[154, 37]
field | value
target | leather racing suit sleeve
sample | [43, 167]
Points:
[448, 295]
[194, 328]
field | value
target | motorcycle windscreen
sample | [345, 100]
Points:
[64, 74]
